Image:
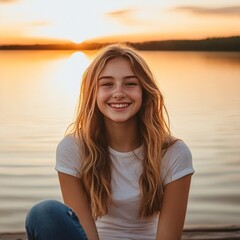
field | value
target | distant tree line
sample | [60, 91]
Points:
[209, 44]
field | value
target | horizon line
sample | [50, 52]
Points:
[104, 40]
[231, 43]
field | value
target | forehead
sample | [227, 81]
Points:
[117, 66]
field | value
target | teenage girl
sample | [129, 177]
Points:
[122, 174]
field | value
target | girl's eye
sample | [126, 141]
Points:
[131, 84]
[107, 84]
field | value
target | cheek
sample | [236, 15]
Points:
[140, 100]
[101, 97]
[98, 100]
[139, 95]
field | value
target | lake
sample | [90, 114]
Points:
[39, 90]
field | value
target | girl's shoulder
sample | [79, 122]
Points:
[70, 142]
[176, 162]
[69, 155]
[178, 146]
[70, 147]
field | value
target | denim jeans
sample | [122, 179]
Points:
[52, 220]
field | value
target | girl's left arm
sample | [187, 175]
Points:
[173, 211]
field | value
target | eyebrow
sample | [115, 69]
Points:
[110, 77]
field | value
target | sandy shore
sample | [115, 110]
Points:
[192, 232]
[13, 236]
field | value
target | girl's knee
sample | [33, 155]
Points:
[42, 210]
[45, 219]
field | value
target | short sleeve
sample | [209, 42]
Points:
[68, 156]
[176, 163]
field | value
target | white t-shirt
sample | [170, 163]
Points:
[122, 222]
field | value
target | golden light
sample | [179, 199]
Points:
[74, 21]
[77, 21]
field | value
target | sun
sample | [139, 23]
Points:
[75, 37]
[62, 33]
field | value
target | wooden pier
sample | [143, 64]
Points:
[189, 233]
[211, 232]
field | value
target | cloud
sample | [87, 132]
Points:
[135, 17]
[231, 11]
[125, 16]
[120, 13]
[8, 1]
[38, 23]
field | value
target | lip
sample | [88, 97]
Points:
[119, 106]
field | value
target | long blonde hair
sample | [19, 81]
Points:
[95, 172]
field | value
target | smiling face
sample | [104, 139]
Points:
[119, 95]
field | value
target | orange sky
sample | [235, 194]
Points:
[44, 21]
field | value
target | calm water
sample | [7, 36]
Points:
[39, 90]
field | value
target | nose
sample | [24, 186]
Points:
[119, 93]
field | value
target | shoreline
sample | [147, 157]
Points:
[190, 232]
[222, 44]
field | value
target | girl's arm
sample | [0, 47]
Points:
[173, 211]
[74, 196]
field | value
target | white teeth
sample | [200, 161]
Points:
[119, 105]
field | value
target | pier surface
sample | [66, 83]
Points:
[190, 232]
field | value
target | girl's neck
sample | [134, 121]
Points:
[123, 137]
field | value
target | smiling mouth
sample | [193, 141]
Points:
[119, 105]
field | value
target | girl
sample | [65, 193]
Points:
[122, 174]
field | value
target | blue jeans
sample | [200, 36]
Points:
[52, 220]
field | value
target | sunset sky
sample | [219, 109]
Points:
[49, 21]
